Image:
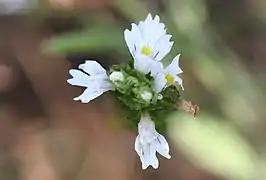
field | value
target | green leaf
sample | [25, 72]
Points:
[215, 146]
[100, 38]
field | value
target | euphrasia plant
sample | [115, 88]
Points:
[146, 88]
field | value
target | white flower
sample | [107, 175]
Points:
[148, 43]
[95, 80]
[116, 76]
[148, 142]
[146, 95]
[168, 76]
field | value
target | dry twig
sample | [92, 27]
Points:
[188, 106]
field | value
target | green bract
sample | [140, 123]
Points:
[128, 93]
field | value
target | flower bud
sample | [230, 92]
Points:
[146, 95]
[116, 76]
[160, 96]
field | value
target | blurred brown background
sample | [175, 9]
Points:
[45, 135]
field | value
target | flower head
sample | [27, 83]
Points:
[168, 76]
[148, 142]
[95, 80]
[140, 88]
[148, 43]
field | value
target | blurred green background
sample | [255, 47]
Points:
[223, 51]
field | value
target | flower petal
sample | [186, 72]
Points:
[79, 78]
[145, 121]
[179, 81]
[157, 19]
[149, 17]
[146, 130]
[159, 82]
[88, 95]
[151, 30]
[162, 146]
[129, 42]
[142, 63]
[92, 68]
[138, 147]
[163, 46]
[148, 158]
[91, 93]
[133, 39]
[156, 68]
[173, 68]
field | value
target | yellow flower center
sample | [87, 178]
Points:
[146, 50]
[170, 78]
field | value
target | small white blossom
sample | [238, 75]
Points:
[148, 142]
[146, 95]
[95, 80]
[168, 76]
[116, 76]
[148, 43]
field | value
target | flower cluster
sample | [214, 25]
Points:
[146, 89]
